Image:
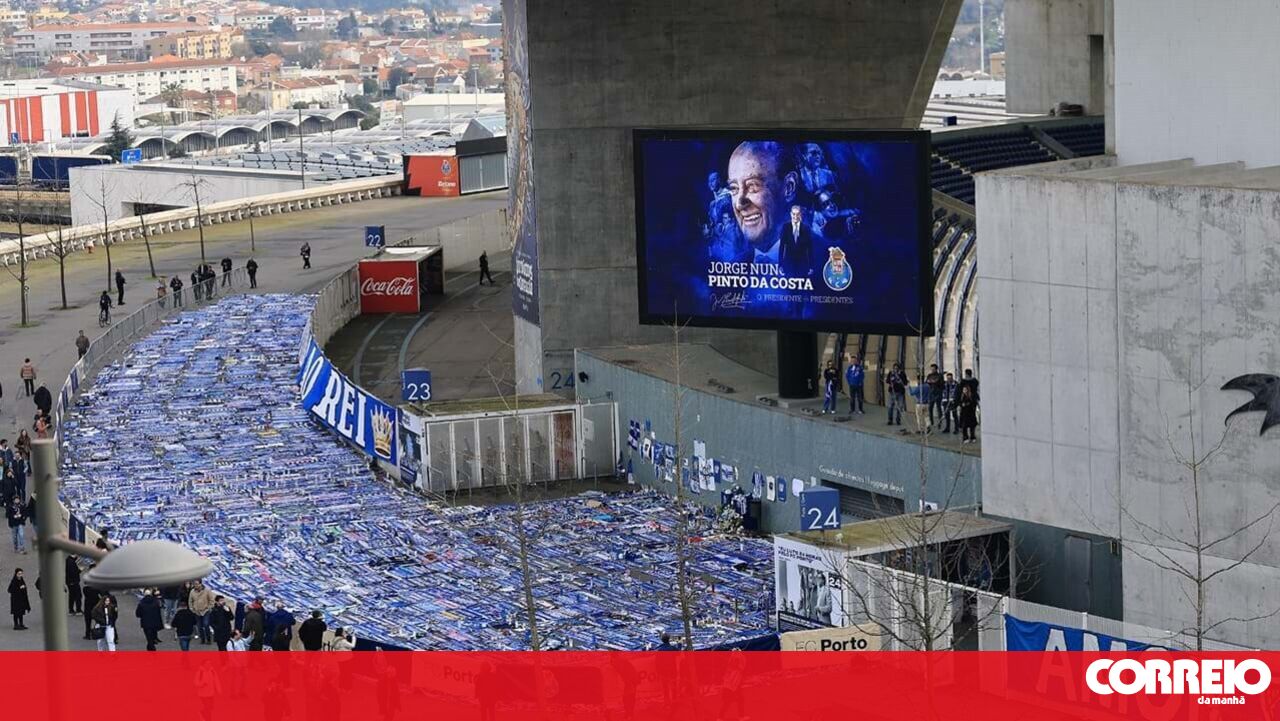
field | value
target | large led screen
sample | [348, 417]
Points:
[793, 230]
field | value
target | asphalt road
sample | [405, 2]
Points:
[336, 238]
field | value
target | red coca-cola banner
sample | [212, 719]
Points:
[389, 286]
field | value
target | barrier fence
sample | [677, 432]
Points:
[77, 238]
[106, 346]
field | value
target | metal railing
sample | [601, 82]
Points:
[105, 347]
[77, 238]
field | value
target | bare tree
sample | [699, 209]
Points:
[940, 573]
[103, 202]
[146, 237]
[1161, 547]
[253, 244]
[21, 276]
[681, 529]
[194, 185]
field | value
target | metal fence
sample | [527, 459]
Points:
[124, 330]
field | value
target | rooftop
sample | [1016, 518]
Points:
[909, 530]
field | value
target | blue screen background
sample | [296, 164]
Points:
[864, 197]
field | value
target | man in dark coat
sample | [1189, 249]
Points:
[43, 399]
[91, 596]
[252, 269]
[226, 272]
[220, 620]
[277, 619]
[73, 586]
[254, 627]
[151, 618]
[119, 288]
[176, 286]
[311, 632]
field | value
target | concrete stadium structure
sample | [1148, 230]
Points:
[1119, 296]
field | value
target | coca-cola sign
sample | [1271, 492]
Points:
[389, 286]
[395, 286]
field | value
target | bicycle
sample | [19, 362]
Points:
[104, 317]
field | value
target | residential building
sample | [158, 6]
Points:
[13, 17]
[114, 40]
[214, 102]
[46, 110]
[200, 45]
[151, 78]
[47, 14]
[283, 94]
[255, 21]
[313, 19]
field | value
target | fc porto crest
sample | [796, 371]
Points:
[836, 273]
[446, 167]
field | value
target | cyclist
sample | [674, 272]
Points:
[104, 308]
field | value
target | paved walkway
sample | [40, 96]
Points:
[335, 235]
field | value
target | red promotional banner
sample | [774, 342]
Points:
[431, 175]
[389, 286]
[601, 686]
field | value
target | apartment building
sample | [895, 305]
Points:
[151, 78]
[115, 40]
[200, 45]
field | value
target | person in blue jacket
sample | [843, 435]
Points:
[854, 376]
[277, 619]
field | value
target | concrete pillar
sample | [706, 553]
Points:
[582, 75]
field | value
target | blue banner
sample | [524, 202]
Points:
[346, 408]
[1036, 636]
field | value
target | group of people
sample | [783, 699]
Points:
[40, 395]
[196, 614]
[949, 401]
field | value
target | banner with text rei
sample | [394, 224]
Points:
[782, 229]
[347, 409]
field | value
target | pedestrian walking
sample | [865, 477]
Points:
[22, 446]
[8, 486]
[75, 596]
[150, 618]
[104, 309]
[934, 381]
[306, 255]
[950, 403]
[220, 619]
[105, 615]
[175, 284]
[119, 288]
[28, 375]
[169, 598]
[311, 632]
[82, 344]
[162, 291]
[19, 601]
[829, 376]
[184, 625]
[210, 281]
[484, 268]
[255, 623]
[16, 514]
[91, 598]
[854, 377]
[277, 620]
[43, 400]
[226, 272]
[896, 383]
[200, 600]
[972, 383]
[195, 284]
[968, 415]
[21, 466]
[252, 269]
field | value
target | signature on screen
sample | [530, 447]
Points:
[729, 301]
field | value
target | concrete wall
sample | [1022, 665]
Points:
[163, 185]
[1112, 314]
[753, 437]
[1048, 57]
[1191, 81]
[599, 69]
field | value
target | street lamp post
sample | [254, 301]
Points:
[142, 564]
